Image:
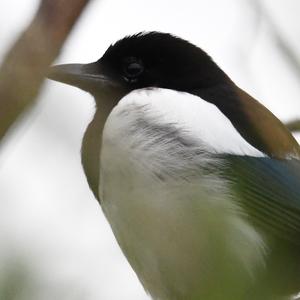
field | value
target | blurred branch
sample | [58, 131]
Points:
[26, 64]
[291, 56]
[293, 125]
[289, 53]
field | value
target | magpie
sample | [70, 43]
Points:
[199, 181]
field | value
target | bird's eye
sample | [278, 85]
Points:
[132, 69]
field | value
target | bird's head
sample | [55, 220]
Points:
[161, 60]
[144, 60]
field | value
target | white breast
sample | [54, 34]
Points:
[172, 215]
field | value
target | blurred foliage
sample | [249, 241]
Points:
[15, 283]
[18, 281]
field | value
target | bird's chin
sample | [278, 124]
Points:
[107, 96]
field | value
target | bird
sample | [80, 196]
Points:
[199, 181]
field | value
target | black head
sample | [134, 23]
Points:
[157, 59]
[143, 60]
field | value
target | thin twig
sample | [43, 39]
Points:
[293, 125]
[291, 56]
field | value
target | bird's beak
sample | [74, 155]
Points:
[88, 77]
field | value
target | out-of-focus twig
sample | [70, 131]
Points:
[26, 64]
[291, 56]
[293, 125]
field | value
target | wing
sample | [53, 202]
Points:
[269, 190]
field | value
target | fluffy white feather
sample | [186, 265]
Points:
[201, 120]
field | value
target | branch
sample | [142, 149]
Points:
[293, 125]
[291, 56]
[26, 64]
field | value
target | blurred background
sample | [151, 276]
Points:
[55, 241]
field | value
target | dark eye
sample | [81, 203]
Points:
[133, 68]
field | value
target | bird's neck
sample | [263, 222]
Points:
[92, 140]
[255, 123]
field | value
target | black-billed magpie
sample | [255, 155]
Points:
[199, 181]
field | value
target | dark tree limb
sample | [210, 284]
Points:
[25, 65]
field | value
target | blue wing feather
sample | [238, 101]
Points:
[269, 191]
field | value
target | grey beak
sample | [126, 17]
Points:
[85, 76]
